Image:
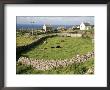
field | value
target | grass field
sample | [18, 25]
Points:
[80, 68]
[24, 40]
[69, 47]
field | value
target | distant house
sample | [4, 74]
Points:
[47, 27]
[76, 27]
[61, 28]
[85, 26]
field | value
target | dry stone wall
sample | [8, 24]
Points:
[49, 64]
[20, 49]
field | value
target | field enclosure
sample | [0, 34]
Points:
[58, 48]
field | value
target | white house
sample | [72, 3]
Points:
[85, 26]
[47, 27]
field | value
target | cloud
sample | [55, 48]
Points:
[54, 19]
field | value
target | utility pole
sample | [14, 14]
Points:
[32, 28]
[32, 22]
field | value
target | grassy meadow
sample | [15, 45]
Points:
[69, 47]
[23, 39]
[20, 41]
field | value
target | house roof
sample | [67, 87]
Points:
[87, 24]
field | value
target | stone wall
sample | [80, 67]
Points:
[69, 35]
[20, 49]
[49, 64]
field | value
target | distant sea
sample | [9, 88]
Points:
[34, 26]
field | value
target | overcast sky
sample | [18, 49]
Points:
[59, 20]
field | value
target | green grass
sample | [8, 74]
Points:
[80, 68]
[69, 47]
[24, 40]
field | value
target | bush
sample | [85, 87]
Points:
[21, 69]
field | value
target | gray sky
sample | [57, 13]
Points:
[54, 20]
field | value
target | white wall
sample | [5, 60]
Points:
[82, 26]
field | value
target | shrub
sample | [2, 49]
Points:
[21, 69]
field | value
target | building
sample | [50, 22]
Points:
[47, 27]
[85, 26]
[60, 28]
[76, 27]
